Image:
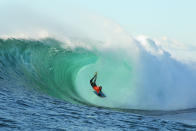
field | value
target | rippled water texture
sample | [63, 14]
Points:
[24, 109]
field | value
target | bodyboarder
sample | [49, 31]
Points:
[94, 86]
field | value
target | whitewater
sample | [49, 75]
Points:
[46, 65]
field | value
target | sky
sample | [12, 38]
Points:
[175, 19]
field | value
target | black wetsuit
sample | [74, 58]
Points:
[93, 81]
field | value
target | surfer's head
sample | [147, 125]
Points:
[100, 87]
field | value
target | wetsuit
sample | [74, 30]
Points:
[93, 84]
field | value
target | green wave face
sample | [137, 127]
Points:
[44, 65]
[65, 73]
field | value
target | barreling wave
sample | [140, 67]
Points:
[148, 80]
[44, 65]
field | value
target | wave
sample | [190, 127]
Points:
[150, 82]
[58, 54]
[43, 66]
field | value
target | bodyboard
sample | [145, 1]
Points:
[100, 94]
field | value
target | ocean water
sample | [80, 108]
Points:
[24, 109]
[44, 85]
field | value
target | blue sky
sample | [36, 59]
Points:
[175, 19]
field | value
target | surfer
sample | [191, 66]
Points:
[93, 84]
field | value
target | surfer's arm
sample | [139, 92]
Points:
[93, 80]
[94, 77]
